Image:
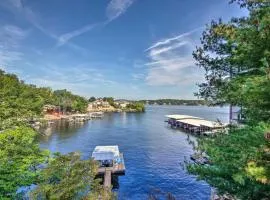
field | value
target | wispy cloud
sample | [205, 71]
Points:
[10, 41]
[7, 57]
[114, 10]
[171, 62]
[17, 7]
[63, 39]
[138, 76]
[172, 39]
[157, 51]
[117, 8]
[80, 79]
[15, 32]
[138, 63]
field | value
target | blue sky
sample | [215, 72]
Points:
[134, 49]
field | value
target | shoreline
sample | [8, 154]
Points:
[48, 117]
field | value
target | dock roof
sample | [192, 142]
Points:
[178, 117]
[79, 115]
[202, 122]
[105, 152]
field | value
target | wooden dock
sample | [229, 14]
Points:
[107, 178]
[108, 172]
[117, 169]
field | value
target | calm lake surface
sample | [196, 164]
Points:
[152, 150]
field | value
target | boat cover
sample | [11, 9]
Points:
[106, 153]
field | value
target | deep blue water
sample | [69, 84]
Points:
[152, 150]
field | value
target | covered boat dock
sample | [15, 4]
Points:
[194, 124]
[111, 162]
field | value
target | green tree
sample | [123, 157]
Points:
[236, 59]
[70, 102]
[19, 157]
[20, 102]
[110, 100]
[137, 106]
[239, 163]
[92, 99]
[69, 177]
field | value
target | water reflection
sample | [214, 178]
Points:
[63, 128]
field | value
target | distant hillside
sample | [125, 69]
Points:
[174, 102]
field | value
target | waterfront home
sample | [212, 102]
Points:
[51, 109]
[98, 104]
[121, 103]
[90, 107]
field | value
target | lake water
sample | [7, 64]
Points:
[152, 150]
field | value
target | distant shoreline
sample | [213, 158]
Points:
[174, 105]
[174, 102]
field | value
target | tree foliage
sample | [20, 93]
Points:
[92, 99]
[69, 177]
[236, 59]
[69, 102]
[20, 102]
[110, 100]
[240, 163]
[137, 106]
[19, 157]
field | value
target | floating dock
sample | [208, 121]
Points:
[111, 163]
[96, 114]
[194, 124]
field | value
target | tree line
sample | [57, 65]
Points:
[174, 102]
[20, 101]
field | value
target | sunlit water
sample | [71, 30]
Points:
[152, 150]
